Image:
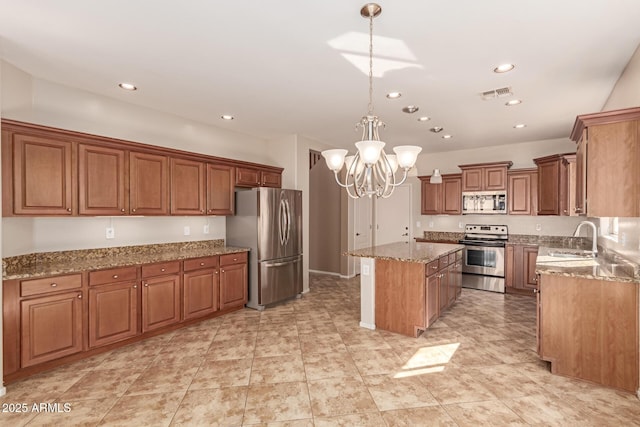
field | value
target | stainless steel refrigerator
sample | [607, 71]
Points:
[269, 222]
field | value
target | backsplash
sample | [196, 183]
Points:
[627, 243]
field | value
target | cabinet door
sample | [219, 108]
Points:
[270, 179]
[509, 266]
[51, 328]
[581, 177]
[431, 198]
[220, 189]
[444, 289]
[495, 178]
[113, 313]
[247, 177]
[458, 275]
[101, 181]
[187, 187]
[149, 184]
[233, 285]
[160, 302]
[472, 179]
[451, 276]
[519, 194]
[200, 293]
[42, 176]
[433, 299]
[529, 256]
[568, 185]
[549, 188]
[452, 195]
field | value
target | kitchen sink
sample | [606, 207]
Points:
[570, 253]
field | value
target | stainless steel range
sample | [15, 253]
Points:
[483, 260]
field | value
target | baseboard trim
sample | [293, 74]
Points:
[327, 273]
[367, 325]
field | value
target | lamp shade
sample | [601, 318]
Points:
[369, 151]
[436, 178]
[407, 155]
[393, 162]
[349, 161]
[334, 158]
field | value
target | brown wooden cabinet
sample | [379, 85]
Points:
[520, 268]
[42, 174]
[233, 280]
[160, 295]
[102, 181]
[556, 183]
[201, 282]
[188, 187]
[220, 189]
[444, 198]
[444, 290]
[588, 329]
[432, 298]
[51, 327]
[113, 305]
[253, 177]
[485, 176]
[608, 164]
[149, 184]
[522, 192]
[270, 179]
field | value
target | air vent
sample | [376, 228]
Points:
[496, 93]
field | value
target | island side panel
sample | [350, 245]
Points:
[367, 293]
[399, 297]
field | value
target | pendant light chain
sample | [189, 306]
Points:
[370, 65]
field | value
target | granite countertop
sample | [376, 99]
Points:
[408, 251]
[603, 267]
[53, 263]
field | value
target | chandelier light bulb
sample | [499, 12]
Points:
[370, 151]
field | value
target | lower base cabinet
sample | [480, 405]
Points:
[113, 313]
[160, 302]
[233, 280]
[433, 299]
[520, 268]
[51, 327]
[200, 293]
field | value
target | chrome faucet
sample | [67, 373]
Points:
[594, 246]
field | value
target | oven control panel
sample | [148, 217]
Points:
[486, 229]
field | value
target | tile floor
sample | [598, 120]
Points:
[308, 363]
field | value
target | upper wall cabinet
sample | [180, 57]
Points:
[522, 192]
[608, 163]
[556, 184]
[54, 172]
[38, 175]
[444, 198]
[485, 176]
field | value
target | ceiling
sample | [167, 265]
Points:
[290, 66]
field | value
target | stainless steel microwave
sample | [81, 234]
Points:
[484, 202]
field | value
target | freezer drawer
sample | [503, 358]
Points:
[279, 279]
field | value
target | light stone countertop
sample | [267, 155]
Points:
[602, 267]
[407, 251]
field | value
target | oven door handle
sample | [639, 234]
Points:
[482, 245]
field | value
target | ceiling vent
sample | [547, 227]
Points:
[496, 93]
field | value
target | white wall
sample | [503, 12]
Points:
[626, 92]
[522, 156]
[37, 101]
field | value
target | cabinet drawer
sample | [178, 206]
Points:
[113, 275]
[204, 262]
[443, 262]
[239, 258]
[160, 269]
[459, 255]
[432, 267]
[50, 284]
[452, 258]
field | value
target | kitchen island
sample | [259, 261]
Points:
[405, 286]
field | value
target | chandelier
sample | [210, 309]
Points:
[371, 171]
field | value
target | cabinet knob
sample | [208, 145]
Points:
[135, 286]
[201, 264]
[115, 276]
[79, 296]
[435, 267]
[235, 259]
[68, 209]
[535, 291]
[53, 285]
[122, 210]
[162, 270]
[216, 271]
[146, 285]
[133, 210]
[222, 271]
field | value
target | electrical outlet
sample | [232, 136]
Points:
[205, 230]
[538, 227]
[187, 230]
[418, 224]
[460, 225]
[110, 233]
[430, 224]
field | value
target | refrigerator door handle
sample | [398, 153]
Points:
[288, 234]
[281, 222]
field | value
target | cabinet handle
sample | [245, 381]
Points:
[216, 271]
[435, 267]
[201, 264]
[135, 286]
[115, 276]
[79, 296]
[133, 210]
[222, 271]
[146, 285]
[68, 209]
[535, 291]
[577, 210]
[162, 270]
[53, 285]
[235, 259]
[122, 210]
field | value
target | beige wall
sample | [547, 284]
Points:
[325, 216]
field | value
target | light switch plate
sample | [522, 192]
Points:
[110, 233]
[205, 230]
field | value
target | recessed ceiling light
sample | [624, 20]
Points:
[410, 109]
[394, 95]
[424, 119]
[226, 117]
[436, 129]
[447, 136]
[128, 86]
[513, 102]
[520, 126]
[503, 68]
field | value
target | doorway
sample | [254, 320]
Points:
[393, 217]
